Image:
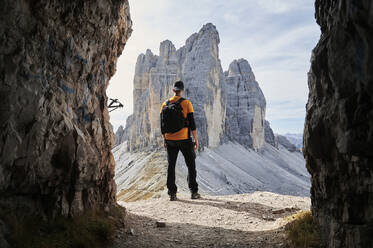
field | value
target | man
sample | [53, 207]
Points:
[180, 140]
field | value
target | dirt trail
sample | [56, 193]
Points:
[246, 220]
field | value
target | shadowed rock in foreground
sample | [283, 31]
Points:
[56, 59]
[338, 134]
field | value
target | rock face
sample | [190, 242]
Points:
[246, 106]
[119, 135]
[228, 106]
[204, 79]
[56, 59]
[338, 135]
[285, 143]
[269, 136]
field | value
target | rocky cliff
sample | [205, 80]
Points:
[228, 106]
[246, 105]
[338, 135]
[56, 59]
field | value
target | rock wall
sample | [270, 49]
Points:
[338, 135]
[228, 106]
[56, 59]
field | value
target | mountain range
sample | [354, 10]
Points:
[238, 153]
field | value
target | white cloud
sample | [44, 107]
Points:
[281, 6]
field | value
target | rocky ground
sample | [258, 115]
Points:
[246, 220]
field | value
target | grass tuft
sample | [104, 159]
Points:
[90, 230]
[302, 230]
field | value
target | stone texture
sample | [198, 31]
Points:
[212, 93]
[246, 106]
[338, 135]
[56, 59]
[120, 136]
[269, 136]
[4, 231]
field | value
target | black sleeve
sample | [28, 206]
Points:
[162, 128]
[192, 123]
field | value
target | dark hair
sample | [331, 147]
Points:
[178, 85]
[177, 92]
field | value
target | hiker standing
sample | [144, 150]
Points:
[177, 122]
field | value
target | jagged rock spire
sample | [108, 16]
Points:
[228, 106]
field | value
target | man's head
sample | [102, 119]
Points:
[178, 88]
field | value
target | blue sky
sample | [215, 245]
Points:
[275, 36]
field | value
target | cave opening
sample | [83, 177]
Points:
[60, 160]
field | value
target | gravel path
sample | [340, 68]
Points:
[246, 220]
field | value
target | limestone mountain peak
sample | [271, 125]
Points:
[241, 67]
[208, 28]
[167, 53]
[227, 107]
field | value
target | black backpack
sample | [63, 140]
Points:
[172, 118]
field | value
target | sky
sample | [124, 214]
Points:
[275, 36]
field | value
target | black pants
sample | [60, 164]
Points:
[187, 149]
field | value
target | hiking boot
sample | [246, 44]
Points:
[196, 196]
[173, 197]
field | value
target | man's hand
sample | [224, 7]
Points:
[164, 140]
[196, 145]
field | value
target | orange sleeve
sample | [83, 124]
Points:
[163, 104]
[190, 107]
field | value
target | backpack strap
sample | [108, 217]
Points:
[186, 122]
[180, 100]
[177, 102]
